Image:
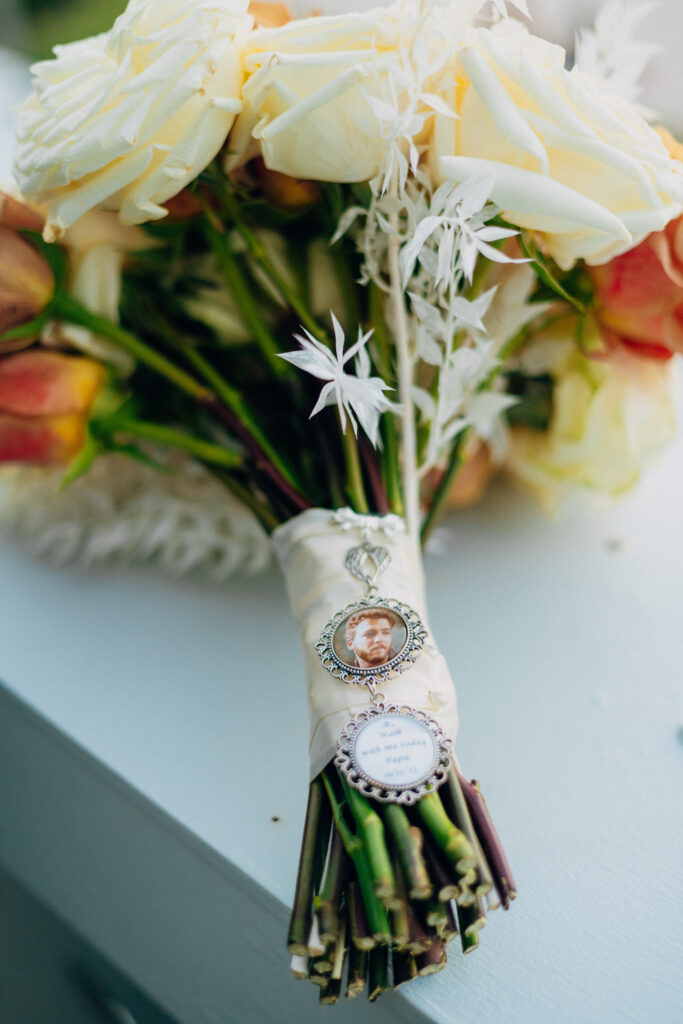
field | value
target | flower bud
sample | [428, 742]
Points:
[639, 295]
[26, 284]
[45, 401]
[40, 383]
[41, 440]
[17, 215]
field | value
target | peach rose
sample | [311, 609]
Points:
[639, 295]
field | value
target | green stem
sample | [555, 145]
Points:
[371, 829]
[234, 401]
[203, 450]
[300, 922]
[400, 925]
[378, 919]
[354, 475]
[456, 807]
[450, 839]
[358, 963]
[390, 462]
[329, 899]
[260, 256]
[455, 463]
[267, 519]
[405, 840]
[239, 287]
[68, 308]
[224, 402]
[378, 972]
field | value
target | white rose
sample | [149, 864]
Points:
[581, 168]
[125, 120]
[308, 106]
[609, 417]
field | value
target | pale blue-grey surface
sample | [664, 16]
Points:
[565, 643]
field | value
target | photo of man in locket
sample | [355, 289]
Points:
[370, 637]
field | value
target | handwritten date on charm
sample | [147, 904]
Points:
[393, 754]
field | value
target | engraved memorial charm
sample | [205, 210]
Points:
[393, 754]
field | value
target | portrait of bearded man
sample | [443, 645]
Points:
[368, 637]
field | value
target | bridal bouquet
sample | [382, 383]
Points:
[341, 268]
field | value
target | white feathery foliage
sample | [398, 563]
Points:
[613, 51]
[125, 511]
[440, 236]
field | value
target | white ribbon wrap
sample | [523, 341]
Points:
[311, 550]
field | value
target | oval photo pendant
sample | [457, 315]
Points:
[371, 640]
[394, 754]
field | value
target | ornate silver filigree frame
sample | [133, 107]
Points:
[416, 634]
[409, 794]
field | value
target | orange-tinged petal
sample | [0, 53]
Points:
[473, 479]
[42, 440]
[184, 206]
[635, 283]
[26, 280]
[17, 215]
[270, 15]
[672, 144]
[40, 383]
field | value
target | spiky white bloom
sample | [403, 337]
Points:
[356, 395]
[613, 52]
[457, 225]
[125, 511]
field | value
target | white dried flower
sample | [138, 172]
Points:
[358, 395]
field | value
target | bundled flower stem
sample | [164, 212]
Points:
[400, 907]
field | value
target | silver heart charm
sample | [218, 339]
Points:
[367, 563]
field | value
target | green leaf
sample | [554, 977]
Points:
[32, 327]
[547, 271]
[82, 462]
[535, 406]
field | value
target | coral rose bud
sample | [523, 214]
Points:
[26, 282]
[639, 295]
[41, 440]
[45, 401]
[40, 383]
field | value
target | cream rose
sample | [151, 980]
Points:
[609, 417]
[125, 120]
[308, 98]
[581, 168]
